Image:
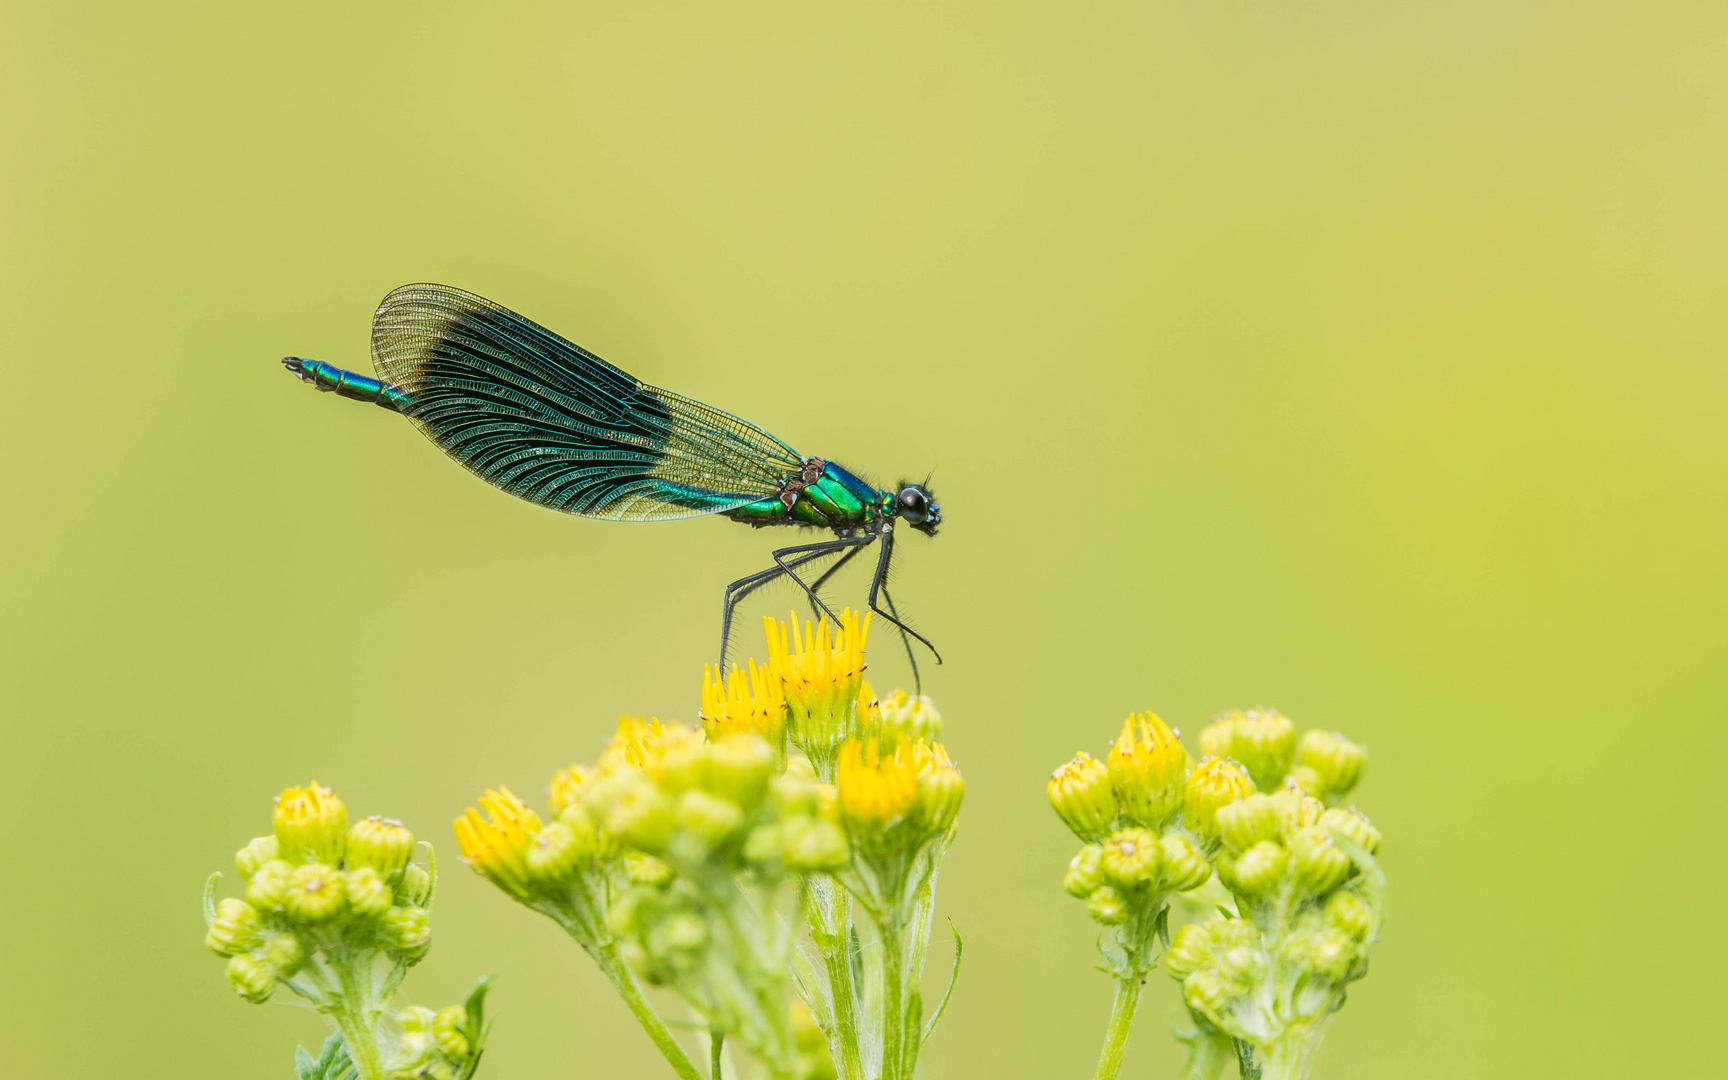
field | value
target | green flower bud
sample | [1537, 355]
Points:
[647, 870]
[1184, 865]
[408, 929]
[1296, 811]
[367, 893]
[739, 766]
[1241, 965]
[1215, 783]
[1350, 914]
[285, 953]
[1081, 795]
[640, 814]
[261, 850]
[1247, 822]
[1304, 779]
[381, 843]
[1131, 858]
[446, 1031]
[1085, 872]
[913, 718]
[708, 817]
[941, 788]
[234, 929]
[1354, 824]
[684, 933]
[415, 886]
[416, 1018]
[1320, 866]
[414, 1051]
[1190, 950]
[251, 978]
[1107, 906]
[1328, 952]
[554, 855]
[270, 885]
[1264, 741]
[1147, 765]
[796, 791]
[812, 844]
[1335, 763]
[316, 894]
[622, 916]
[683, 760]
[311, 825]
[1208, 991]
[1259, 870]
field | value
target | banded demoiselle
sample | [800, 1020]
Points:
[546, 420]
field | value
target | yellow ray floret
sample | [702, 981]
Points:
[636, 741]
[876, 791]
[743, 703]
[821, 675]
[497, 845]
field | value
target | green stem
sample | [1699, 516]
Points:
[893, 1001]
[716, 1045]
[352, 1019]
[606, 954]
[1121, 1019]
[829, 921]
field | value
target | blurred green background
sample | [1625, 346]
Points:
[1360, 359]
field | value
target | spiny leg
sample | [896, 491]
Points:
[824, 547]
[877, 584]
[743, 587]
[816, 586]
[917, 679]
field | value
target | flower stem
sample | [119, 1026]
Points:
[606, 954]
[829, 915]
[1121, 1019]
[352, 1019]
[893, 1002]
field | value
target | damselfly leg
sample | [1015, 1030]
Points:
[783, 566]
[879, 583]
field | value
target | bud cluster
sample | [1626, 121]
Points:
[337, 913]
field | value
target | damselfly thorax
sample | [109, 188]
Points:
[543, 419]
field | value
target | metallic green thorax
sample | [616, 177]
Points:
[825, 496]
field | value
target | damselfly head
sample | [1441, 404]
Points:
[918, 508]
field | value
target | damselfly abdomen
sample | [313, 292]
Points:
[547, 421]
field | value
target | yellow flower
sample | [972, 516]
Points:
[497, 845]
[940, 787]
[311, 824]
[821, 675]
[913, 717]
[743, 703]
[1147, 765]
[1080, 794]
[636, 740]
[876, 792]
[1216, 782]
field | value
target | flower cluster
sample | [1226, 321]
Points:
[1259, 812]
[667, 858]
[338, 914]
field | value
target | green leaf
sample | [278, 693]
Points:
[210, 898]
[953, 977]
[1209, 1049]
[475, 1027]
[431, 872]
[1245, 1063]
[1161, 926]
[333, 1062]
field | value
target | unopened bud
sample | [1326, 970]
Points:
[1326, 952]
[1247, 822]
[913, 718]
[1147, 765]
[446, 1031]
[1215, 783]
[1320, 866]
[1296, 811]
[640, 815]
[941, 788]
[1107, 906]
[234, 928]
[683, 760]
[415, 886]
[316, 894]
[1350, 914]
[1264, 741]
[1085, 872]
[739, 765]
[708, 817]
[1258, 871]
[251, 978]
[1081, 795]
[382, 843]
[1335, 763]
[311, 825]
[684, 933]
[270, 885]
[1131, 858]
[812, 844]
[647, 870]
[554, 855]
[1190, 950]
[367, 893]
[408, 929]
[261, 850]
[1354, 824]
[285, 953]
[1184, 865]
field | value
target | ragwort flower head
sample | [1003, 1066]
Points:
[821, 674]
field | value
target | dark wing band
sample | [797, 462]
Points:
[548, 421]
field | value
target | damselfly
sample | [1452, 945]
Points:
[548, 421]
